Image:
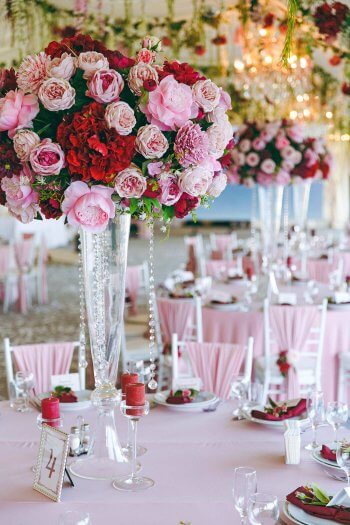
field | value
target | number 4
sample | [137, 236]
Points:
[52, 460]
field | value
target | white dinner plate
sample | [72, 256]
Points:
[203, 400]
[84, 401]
[338, 306]
[276, 424]
[299, 517]
[316, 454]
[228, 307]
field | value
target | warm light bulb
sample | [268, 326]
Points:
[253, 69]
[303, 62]
[262, 31]
[238, 64]
[329, 114]
[268, 59]
[292, 59]
[306, 96]
[293, 114]
[293, 66]
[306, 112]
[300, 98]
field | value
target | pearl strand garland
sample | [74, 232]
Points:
[82, 338]
[152, 384]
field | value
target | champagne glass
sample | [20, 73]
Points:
[244, 486]
[316, 414]
[263, 509]
[343, 458]
[24, 383]
[239, 392]
[337, 414]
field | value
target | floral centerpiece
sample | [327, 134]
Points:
[88, 132]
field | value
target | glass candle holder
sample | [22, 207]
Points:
[127, 449]
[133, 482]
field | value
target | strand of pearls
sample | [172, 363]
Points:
[152, 384]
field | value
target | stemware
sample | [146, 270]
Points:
[24, 383]
[244, 487]
[74, 517]
[239, 391]
[255, 394]
[263, 509]
[337, 414]
[316, 414]
[343, 458]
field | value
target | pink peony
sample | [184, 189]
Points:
[130, 183]
[219, 136]
[245, 145]
[17, 111]
[171, 192]
[264, 178]
[258, 144]
[90, 62]
[216, 116]
[105, 86]
[120, 116]
[195, 181]
[281, 141]
[225, 100]
[206, 94]
[21, 199]
[90, 208]
[155, 168]
[24, 141]
[217, 185]
[151, 142]
[191, 144]
[252, 159]
[268, 166]
[296, 133]
[32, 72]
[282, 177]
[47, 158]
[171, 105]
[56, 94]
[146, 56]
[62, 67]
[138, 74]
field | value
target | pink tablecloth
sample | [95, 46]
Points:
[191, 457]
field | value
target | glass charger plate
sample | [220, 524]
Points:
[298, 516]
[316, 455]
[276, 424]
[203, 400]
[83, 402]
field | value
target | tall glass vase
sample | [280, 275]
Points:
[104, 259]
[270, 211]
[301, 197]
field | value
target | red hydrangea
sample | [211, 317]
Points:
[330, 17]
[8, 80]
[182, 72]
[117, 60]
[184, 205]
[153, 189]
[78, 43]
[10, 164]
[94, 152]
[50, 208]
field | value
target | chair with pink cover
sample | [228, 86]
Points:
[180, 316]
[8, 276]
[25, 257]
[216, 364]
[43, 360]
[136, 283]
[218, 269]
[222, 245]
[320, 269]
[196, 255]
[298, 331]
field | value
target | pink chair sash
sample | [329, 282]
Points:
[291, 326]
[174, 316]
[319, 269]
[44, 360]
[133, 286]
[216, 364]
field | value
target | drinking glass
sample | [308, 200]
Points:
[316, 414]
[343, 458]
[239, 391]
[337, 414]
[74, 517]
[244, 487]
[263, 509]
[255, 394]
[24, 383]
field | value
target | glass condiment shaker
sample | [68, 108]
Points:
[85, 437]
[74, 441]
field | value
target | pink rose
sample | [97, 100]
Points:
[130, 183]
[288, 153]
[296, 133]
[319, 146]
[252, 159]
[17, 111]
[56, 94]
[151, 142]
[297, 157]
[121, 117]
[171, 192]
[258, 144]
[217, 115]
[62, 67]
[281, 141]
[310, 157]
[244, 145]
[225, 100]
[219, 136]
[232, 175]
[287, 165]
[206, 94]
[248, 182]
[138, 74]
[21, 199]
[264, 179]
[155, 168]
[23, 142]
[90, 208]
[105, 86]
[282, 177]
[90, 62]
[171, 105]
[152, 42]
[146, 56]
[195, 181]
[217, 185]
[47, 158]
[268, 166]
[266, 135]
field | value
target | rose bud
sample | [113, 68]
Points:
[149, 84]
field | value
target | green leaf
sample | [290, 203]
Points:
[133, 206]
[272, 403]
[320, 494]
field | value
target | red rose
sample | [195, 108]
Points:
[184, 205]
[283, 28]
[226, 160]
[268, 20]
[335, 60]
[117, 60]
[50, 208]
[153, 189]
[345, 88]
[199, 50]
[78, 44]
[219, 40]
[330, 17]
[182, 72]
[149, 84]
[166, 41]
[7, 80]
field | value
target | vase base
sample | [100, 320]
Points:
[100, 468]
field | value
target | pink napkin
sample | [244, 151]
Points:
[294, 411]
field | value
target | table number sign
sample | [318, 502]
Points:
[51, 462]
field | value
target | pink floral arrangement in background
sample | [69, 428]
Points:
[276, 153]
[88, 132]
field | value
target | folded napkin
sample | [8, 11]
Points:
[328, 453]
[181, 396]
[338, 514]
[292, 411]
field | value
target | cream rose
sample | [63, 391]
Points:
[90, 62]
[56, 94]
[195, 181]
[219, 136]
[138, 74]
[120, 116]
[62, 67]
[151, 142]
[24, 142]
[206, 94]
[130, 183]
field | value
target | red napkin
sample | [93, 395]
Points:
[327, 453]
[295, 411]
[337, 514]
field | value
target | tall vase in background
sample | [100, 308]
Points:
[270, 212]
[104, 259]
[301, 197]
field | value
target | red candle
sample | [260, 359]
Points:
[289, 261]
[249, 272]
[135, 397]
[50, 408]
[128, 379]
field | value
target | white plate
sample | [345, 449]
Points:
[83, 402]
[298, 516]
[229, 307]
[316, 454]
[203, 400]
[276, 424]
[339, 306]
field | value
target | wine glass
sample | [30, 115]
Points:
[263, 509]
[24, 383]
[343, 458]
[255, 394]
[337, 414]
[316, 414]
[74, 517]
[239, 391]
[244, 486]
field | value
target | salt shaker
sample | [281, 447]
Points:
[292, 442]
[74, 441]
[85, 437]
